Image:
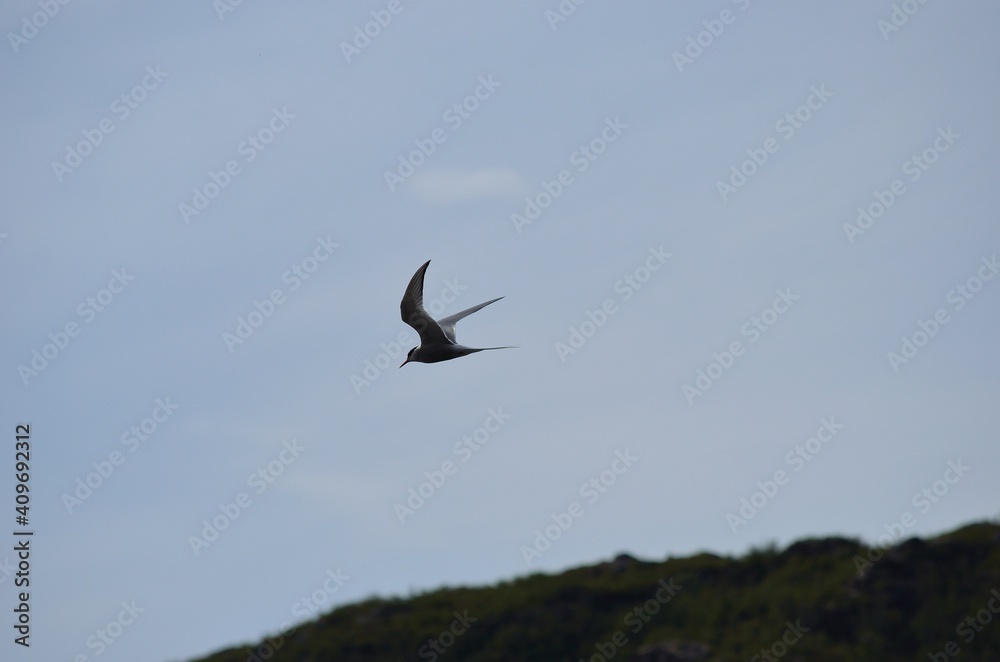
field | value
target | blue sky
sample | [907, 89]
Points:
[717, 350]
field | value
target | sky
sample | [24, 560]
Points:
[747, 253]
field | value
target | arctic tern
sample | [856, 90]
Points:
[437, 338]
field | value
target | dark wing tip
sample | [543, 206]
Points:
[412, 301]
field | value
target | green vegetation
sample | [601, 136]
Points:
[911, 601]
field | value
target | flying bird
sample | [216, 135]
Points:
[437, 338]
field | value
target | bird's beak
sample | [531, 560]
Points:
[404, 363]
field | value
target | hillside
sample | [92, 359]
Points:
[938, 597]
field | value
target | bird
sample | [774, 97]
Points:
[437, 338]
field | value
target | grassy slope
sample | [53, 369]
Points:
[906, 605]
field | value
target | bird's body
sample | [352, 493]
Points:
[437, 337]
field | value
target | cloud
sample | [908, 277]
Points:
[448, 186]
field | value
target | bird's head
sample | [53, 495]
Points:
[408, 355]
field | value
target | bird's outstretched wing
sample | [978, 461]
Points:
[411, 309]
[447, 324]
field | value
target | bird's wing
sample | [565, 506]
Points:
[447, 324]
[412, 311]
